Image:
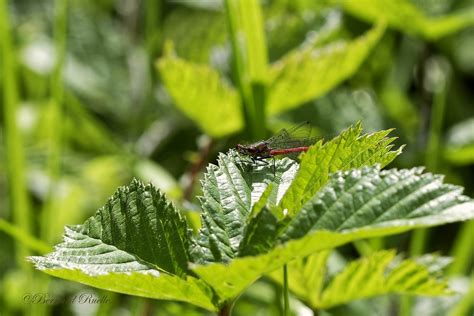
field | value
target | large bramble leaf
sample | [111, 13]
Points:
[90, 261]
[137, 243]
[405, 16]
[305, 74]
[354, 204]
[348, 150]
[136, 223]
[378, 274]
[208, 99]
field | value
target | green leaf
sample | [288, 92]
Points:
[371, 197]
[126, 247]
[355, 204]
[374, 275]
[352, 105]
[137, 228]
[378, 274]
[209, 101]
[248, 32]
[405, 16]
[229, 193]
[196, 33]
[460, 143]
[346, 151]
[259, 234]
[145, 283]
[305, 74]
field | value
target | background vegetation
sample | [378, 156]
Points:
[95, 93]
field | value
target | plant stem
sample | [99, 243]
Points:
[15, 158]
[250, 61]
[153, 29]
[463, 252]
[466, 303]
[55, 137]
[286, 295]
[24, 238]
[363, 247]
[432, 155]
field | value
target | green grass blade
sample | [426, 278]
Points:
[21, 236]
[55, 129]
[15, 156]
[249, 50]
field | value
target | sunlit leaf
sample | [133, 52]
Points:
[346, 151]
[145, 283]
[136, 244]
[370, 197]
[307, 73]
[137, 229]
[375, 275]
[200, 93]
[378, 274]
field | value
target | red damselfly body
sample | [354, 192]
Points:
[286, 142]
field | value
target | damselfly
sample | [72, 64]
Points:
[285, 142]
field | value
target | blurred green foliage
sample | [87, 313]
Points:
[155, 89]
